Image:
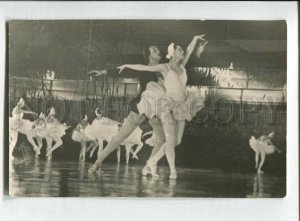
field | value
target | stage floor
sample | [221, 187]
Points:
[71, 179]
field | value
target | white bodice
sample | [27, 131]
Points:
[175, 84]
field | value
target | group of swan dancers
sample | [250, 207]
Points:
[163, 100]
[49, 128]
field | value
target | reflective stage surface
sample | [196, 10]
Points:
[71, 179]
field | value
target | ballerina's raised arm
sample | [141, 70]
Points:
[191, 47]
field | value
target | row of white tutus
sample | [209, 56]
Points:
[155, 102]
[260, 146]
[79, 136]
[52, 130]
[100, 129]
[104, 129]
[56, 129]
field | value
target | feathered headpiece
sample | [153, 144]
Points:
[171, 50]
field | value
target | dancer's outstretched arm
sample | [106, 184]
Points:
[191, 47]
[29, 112]
[140, 67]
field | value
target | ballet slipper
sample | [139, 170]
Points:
[173, 175]
[146, 170]
[49, 152]
[95, 167]
[37, 151]
[150, 169]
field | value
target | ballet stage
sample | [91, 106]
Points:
[71, 179]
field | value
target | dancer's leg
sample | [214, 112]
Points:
[58, 143]
[31, 141]
[168, 147]
[94, 145]
[158, 132]
[119, 154]
[13, 142]
[262, 160]
[127, 148]
[49, 145]
[100, 150]
[179, 129]
[137, 150]
[256, 159]
[173, 133]
[82, 151]
[40, 142]
[128, 127]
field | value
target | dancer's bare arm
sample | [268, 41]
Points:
[191, 47]
[29, 112]
[139, 67]
[98, 72]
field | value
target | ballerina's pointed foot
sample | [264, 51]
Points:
[95, 167]
[146, 170]
[150, 169]
[173, 175]
[37, 151]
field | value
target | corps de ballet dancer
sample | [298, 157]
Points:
[79, 135]
[133, 139]
[101, 129]
[40, 132]
[262, 146]
[171, 104]
[55, 131]
[19, 125]
[134, 119]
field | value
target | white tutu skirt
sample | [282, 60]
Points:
[40, 131]
[103, 129]
[20, 125]
[259, 146]
[133, 138]
[56, 130]
[79, 136]
[155, 102]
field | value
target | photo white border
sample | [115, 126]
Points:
[158, 209]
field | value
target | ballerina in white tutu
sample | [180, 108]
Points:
[79, 135]
[101, 129]
[262, 146]
[19, 125]
[39, 132]
[133, 139]
[171, 103]
[55, 131]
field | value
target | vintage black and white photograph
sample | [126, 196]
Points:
[147, 108]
